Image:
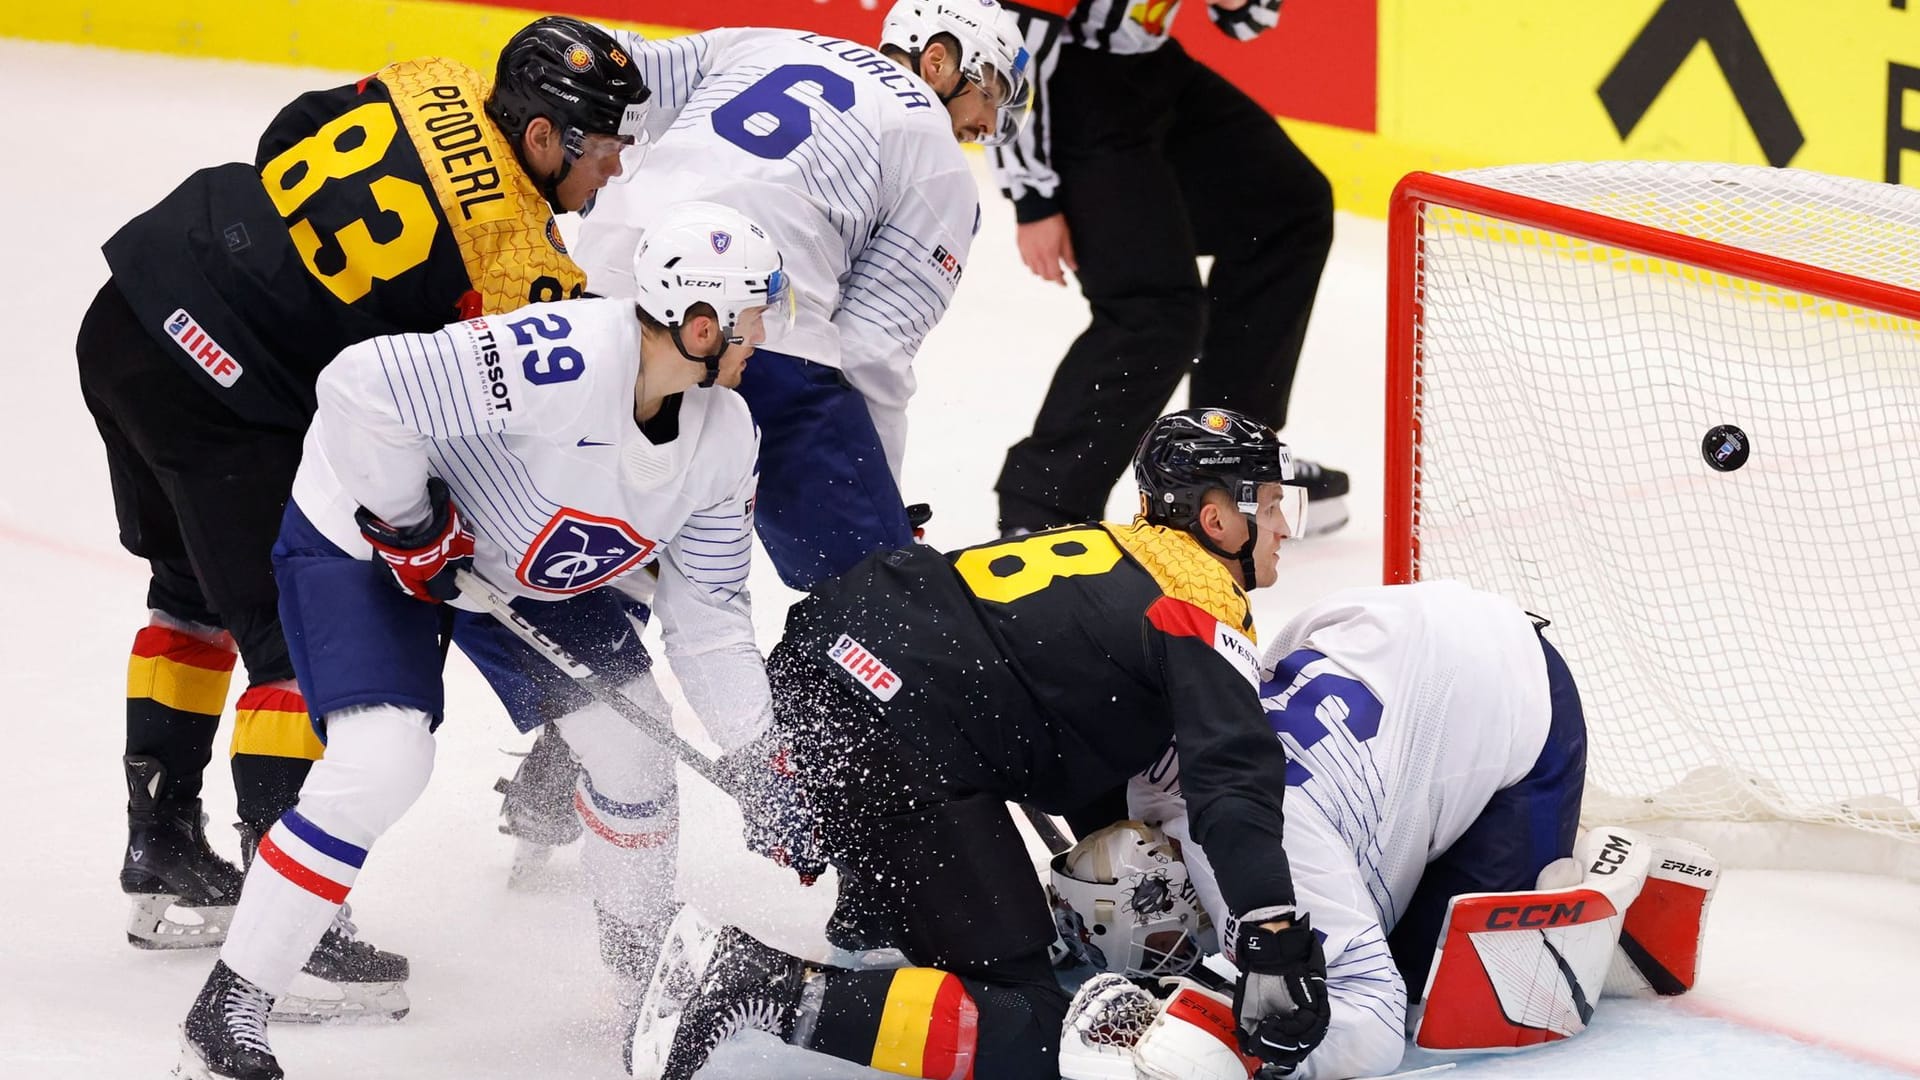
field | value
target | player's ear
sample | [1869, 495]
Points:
[1211, 517]
[539, 137]
[935, 60]
[701, 329]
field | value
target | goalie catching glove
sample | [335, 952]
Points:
[1280, 998]
[424, 557]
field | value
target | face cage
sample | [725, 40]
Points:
[1153, 961]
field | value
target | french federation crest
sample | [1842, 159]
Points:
[722, 240]
[578, 551]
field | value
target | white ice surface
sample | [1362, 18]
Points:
[507, 984]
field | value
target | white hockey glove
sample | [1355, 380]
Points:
[1280, 999]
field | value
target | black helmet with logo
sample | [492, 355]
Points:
[1185, 454]
[571, 72]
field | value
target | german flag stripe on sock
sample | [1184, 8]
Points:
[311, 857]
[928, 1027]
[179, 671]
[273, 722]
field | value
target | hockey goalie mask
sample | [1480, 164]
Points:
[1125, 893]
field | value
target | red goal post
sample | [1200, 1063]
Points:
[1564, 343]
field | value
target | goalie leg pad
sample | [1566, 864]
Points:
[1515, 970]
[1666, 924]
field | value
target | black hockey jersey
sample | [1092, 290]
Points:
[388, 206]
[1049, 668]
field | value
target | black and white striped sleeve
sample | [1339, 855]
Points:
[1023, 169]
[1249, 22]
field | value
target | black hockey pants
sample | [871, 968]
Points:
[1160, 161]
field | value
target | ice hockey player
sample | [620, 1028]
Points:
[397, 203]
[555, 449]
[862, 183]
[1436, 757]
[926, 690]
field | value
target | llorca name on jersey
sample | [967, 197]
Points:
[578, 551]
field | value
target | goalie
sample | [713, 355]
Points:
[1436, 753]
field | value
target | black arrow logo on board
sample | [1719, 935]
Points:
[1644, 70]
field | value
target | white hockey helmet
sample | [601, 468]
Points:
[993, 55]
[1130, 896]
[706, 253]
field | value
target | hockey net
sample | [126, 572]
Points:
[1563, 339]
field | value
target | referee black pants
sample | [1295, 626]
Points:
[1161, 161]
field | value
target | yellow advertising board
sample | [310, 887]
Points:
[1828, 85]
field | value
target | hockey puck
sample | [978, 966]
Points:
[1726, 447]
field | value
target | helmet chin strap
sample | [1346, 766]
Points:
[712, 362]
[1244, 555]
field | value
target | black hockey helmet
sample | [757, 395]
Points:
[1185, 454]
[574, 74]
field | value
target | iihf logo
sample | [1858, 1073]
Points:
[578, 551]
[721, 241]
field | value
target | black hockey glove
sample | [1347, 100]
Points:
[774, 806]
[1247, 23]
[423, 558]
[1281, 998]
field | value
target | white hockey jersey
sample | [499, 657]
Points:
[1403, 708]
[846, 158]
[528, 417]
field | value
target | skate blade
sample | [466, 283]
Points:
[159, 921]
[317, 1001]
[191, 1065]
[677, 974]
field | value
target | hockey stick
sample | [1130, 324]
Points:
[658, 728]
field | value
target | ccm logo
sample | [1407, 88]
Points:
[424, 558]
[1535, 916]
[1612, 856]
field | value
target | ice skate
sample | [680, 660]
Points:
[346, 981]
[711, 984]
[183, 893]
[225, 1034]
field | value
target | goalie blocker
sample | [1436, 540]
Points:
[1625, 916]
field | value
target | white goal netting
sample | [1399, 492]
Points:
[1747, 641]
